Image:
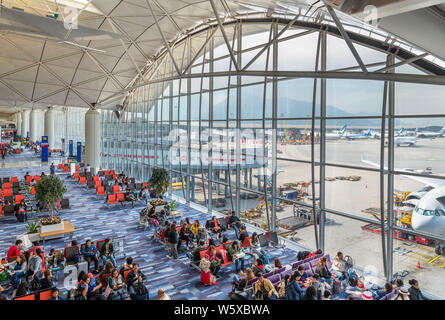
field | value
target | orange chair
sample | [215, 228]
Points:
[7, 185]
[33, 190]
[106, 173]
[121, 197]
[19, 198]
[100, 191]
[45, 294]
[36, 178]
[60, 166]
[98, 184]
[223, 253]
[126, 275]
[14, 179]
[1, 210]
[17, 151]
[76, 176]
[66, 168]
[57, 150]
[112, 172]
[77, 168]
[30, 296]
[95, 178]
[112, 199]
[144, 184]
[82, 180]
[28, 179]
[116, 188]
[246, 242]
[7, 192]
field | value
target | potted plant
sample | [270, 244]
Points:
[172, 206]
[51, 224]
[49, 190]
[159, 181]
[32, 229]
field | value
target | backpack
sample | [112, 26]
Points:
[353, 279]
[267, 268]
[302, 255]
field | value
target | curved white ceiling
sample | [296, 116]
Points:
[41, 66]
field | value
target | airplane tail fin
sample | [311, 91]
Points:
[369, 132]
[343, 129]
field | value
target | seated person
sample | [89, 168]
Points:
[55, 295]
[236, 254]
[258, 267]
[215, 226]
[234, 222]
[47, 280]
[340, 267]
[35, 246]
[378, 294]
[304, 278]
[323, 272]
[196, 253]
[194, 229]
[215, 261]
[127, 266]
[129, 197]
[107, 252]
[14, 251]
[243, 235]
[263, 289]
[88, 287]
[184, 234]
[135, 279]
[89, 252]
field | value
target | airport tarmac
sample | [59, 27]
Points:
[346, 235]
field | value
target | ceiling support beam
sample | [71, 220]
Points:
[347, 39]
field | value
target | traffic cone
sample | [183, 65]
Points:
[418, 265]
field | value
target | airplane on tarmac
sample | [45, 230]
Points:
[429, 134]
[401, 132]
[429, 205]
[338, 135]
[366, 135]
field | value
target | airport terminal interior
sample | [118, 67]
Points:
[168, 134]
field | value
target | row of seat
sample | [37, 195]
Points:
[276, 276]
[44, 294]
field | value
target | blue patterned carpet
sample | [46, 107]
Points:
[92, 220]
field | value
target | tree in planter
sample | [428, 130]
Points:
[159, 181]
[49, 190]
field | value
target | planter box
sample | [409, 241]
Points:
[52, 228]
[31, 236]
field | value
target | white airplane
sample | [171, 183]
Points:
[428, 134]
[399, 133]
[429, 205]
[336, 135]
[366, 135]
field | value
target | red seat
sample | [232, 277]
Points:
[116, 188]
[60, 166]
[112, 172]
[36, 178]
[28, 179]
[19, 198]
[246, 242]
[14, 179]
[126, 274]
[112, 199]
[103, 279]
[98, 184]
[7, 185]
[120, 197]
[106, 173]
[7, 192]
[77, 168]
[82, 180]
[30, 296]
[76, 175]
[45, 295]
[95, 178]
[100, 191]
[144, 184]
[57, 150]
[33, 190]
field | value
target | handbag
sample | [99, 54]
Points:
[239, 255]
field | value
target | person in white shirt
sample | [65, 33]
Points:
[88, 168]
[162, 295]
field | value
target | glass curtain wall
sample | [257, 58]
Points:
[318, 160]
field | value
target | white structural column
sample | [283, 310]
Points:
[25, 123]
[92, 139]
[19, 123]
[49, 127]
[34, 125]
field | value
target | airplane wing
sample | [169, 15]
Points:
[433, 182]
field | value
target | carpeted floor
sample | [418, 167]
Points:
[92, 220]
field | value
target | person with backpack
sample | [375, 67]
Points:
[414, 291]
[136, 287]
